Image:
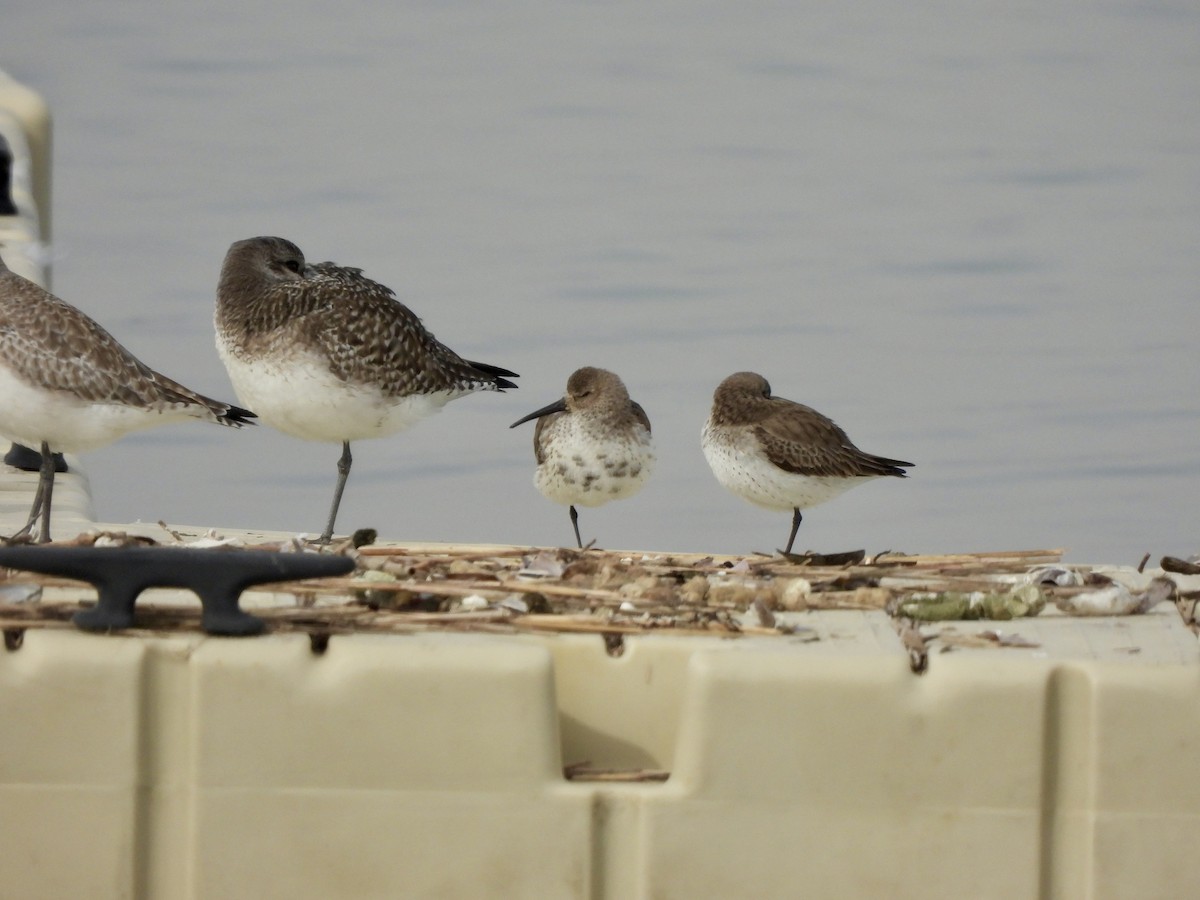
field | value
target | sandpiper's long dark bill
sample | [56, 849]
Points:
[67, 385]
[780, 454]
[326, 354]
[593, 445]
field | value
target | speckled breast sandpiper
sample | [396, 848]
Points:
[67, 385]
[593, 445]
[780, 454]
[326, 354]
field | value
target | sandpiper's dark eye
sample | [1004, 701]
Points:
[292, 265]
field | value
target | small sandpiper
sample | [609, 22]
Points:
[782, 455]
[326, 354]
[593, 445]
[67, 385]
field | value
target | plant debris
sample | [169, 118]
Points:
[406, 588]
[1027, 600]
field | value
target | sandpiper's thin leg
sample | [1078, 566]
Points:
[575, 525]
[343, 468]
[795, 526]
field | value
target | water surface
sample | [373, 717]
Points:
[969, 238]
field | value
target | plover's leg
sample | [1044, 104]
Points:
[41, 498]
[46, 489]
[36, 511]
[575, 525]
[33, 513]
[795, 526]
[343, 468]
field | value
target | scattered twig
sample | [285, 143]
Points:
[1179, 566]
[585, 772]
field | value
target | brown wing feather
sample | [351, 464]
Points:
[640, 414]
[61, 348]
[799, 439]
[542, 424]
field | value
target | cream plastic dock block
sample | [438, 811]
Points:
[70, 744]
[425, 764]
[851, 777]
[991, 776]
[418, 766]
[430, 765]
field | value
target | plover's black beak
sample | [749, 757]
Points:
[556, 407]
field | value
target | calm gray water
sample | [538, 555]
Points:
[970, 239]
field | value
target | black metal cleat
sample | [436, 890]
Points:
[216, 576]
[22, 457]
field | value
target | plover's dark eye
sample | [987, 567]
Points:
[292, 265]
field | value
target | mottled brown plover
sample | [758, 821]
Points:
[782, 455]
[67, 385]
[326, 354]
[593, 445]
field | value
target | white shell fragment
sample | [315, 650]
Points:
[513, 603]
[795, 593]
[545, 565]
[1117, 600]
[473, 602]
[1058, 575]
[213, 539]
[20, 593]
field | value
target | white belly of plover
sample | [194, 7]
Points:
[67, 422]
[301, 397]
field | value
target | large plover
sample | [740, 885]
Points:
[67, 385]
[593, 445]
[326, 354]
[782, 455]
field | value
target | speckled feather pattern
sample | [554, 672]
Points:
[355, 325]
[782, 454]
[598, 448]
[49, 348]
[583, 461]
[326, 354]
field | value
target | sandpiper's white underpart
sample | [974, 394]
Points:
[742, 469]
[593, 445]
[780, 454]
[586, 465]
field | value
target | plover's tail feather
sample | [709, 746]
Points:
[171, 393]
[236, 417]
[495, 374]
